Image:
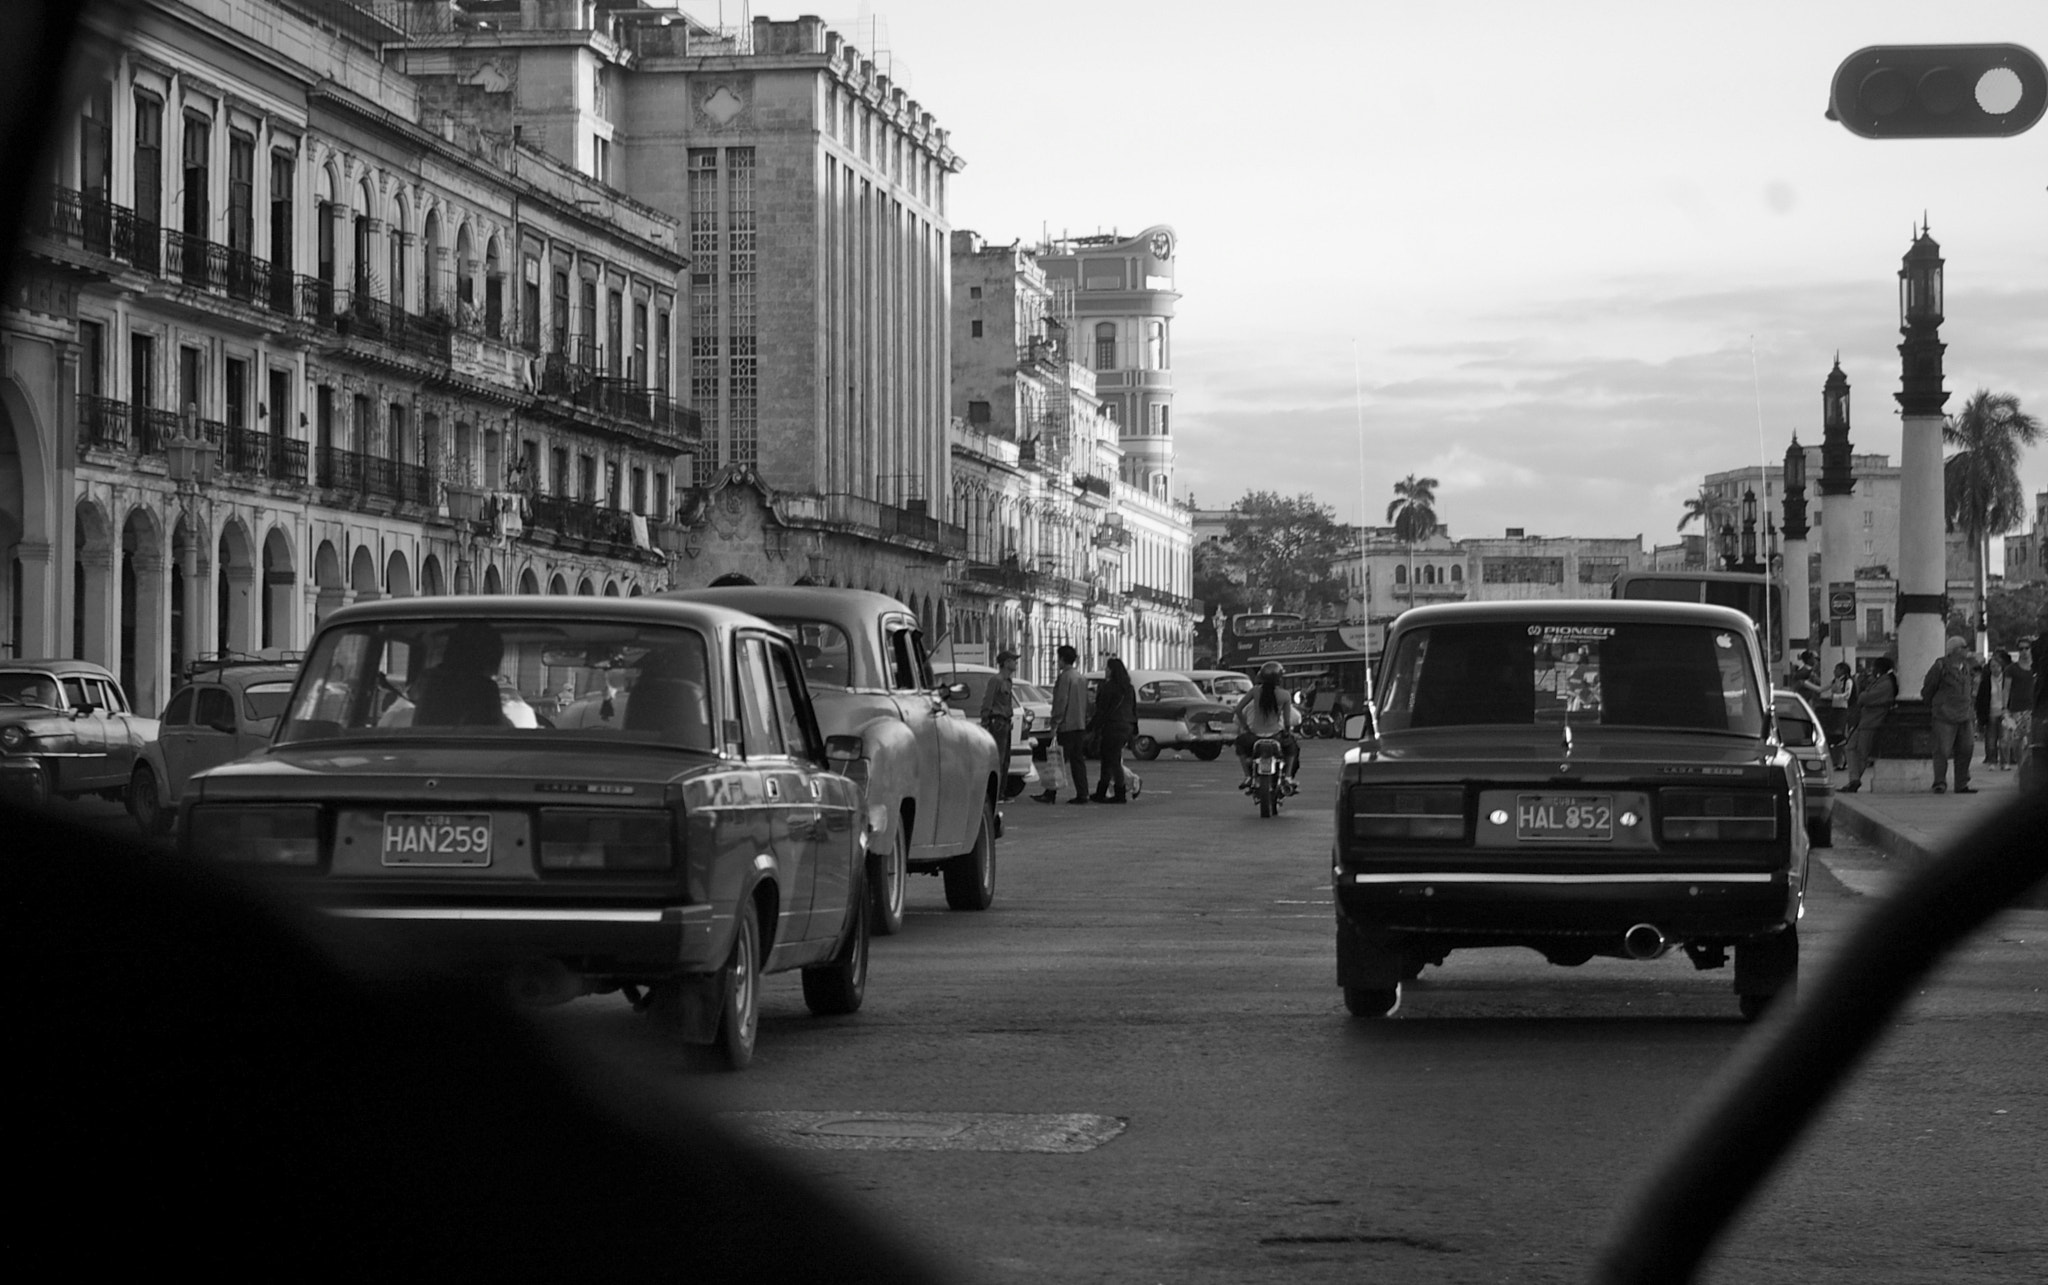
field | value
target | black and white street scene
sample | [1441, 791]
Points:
[1114, 642]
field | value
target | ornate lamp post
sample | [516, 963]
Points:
[1798, 610]
[1729, 556]
[1838, 550]
[1923, 564]
[1749, 561]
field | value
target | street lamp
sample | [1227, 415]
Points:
[1749, 562]
[1728, 553]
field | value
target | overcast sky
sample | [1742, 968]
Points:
[1562, 256]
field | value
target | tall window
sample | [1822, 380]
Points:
[238, 393]
[394, 435]
[560, 315]
[359, 423]
[558, 469]
[395, 247]
[639, 371]
[614, 325]
[323, 418]
[661, 350]
[149, 174]
[1105, 345]
[703, 197]
[281, 182]
[96, 144]
[241, 192]
[742, 361]
[198, 143]
[92, 358]
[278, 411]
[529, 305]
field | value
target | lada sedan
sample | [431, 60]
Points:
[931, 782]
[1581, 778]
[1800, 729]
[685, 839]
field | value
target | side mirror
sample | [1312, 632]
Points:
[955, 691]
[81, 709]
[843, 747]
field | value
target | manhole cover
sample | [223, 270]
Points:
[928, 1131]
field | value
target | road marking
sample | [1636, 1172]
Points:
[928, 1131]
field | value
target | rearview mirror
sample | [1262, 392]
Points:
[1360, 726]
[842, 747]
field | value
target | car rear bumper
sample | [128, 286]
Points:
[626, 942]
[1533, 907]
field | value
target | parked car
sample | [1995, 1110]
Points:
[966, 686]
[66, 730]
[675, 852]
[1799, 727]
[932, 782]
[1225, 685]
[225, 710]
[1581, 778]
[1174, 714]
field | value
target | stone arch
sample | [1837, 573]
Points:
[362, 575]
[494, 288]
[557, 586]
[93, 604]
[494, 580]
[432, 584]
[397, 575]
[29, 533]
[330, 592]
[529, 582]
[465, 267]
[611, 588]
[634, 591]
[144, 610]
[431, 253]
[585, 589]
[236, 603]
[277, 627]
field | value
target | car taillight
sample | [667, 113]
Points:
[603, 839]
[1718, 815]
[274, 836]
[1421, 813]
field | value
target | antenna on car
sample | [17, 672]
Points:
[1763, 458]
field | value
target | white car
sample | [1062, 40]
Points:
[1030, 733]
[1226, 685]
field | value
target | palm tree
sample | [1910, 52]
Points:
[1981, 482]
[1413, 513]
[1710, 510]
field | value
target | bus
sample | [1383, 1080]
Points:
[1751, 593]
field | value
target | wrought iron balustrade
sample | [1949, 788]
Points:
[103, 423]
[581, 520]
[154, 428]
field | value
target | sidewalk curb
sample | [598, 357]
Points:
[1909, 845]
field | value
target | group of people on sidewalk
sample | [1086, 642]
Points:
[1995, 699]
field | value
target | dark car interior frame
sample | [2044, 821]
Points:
[1762, 1102]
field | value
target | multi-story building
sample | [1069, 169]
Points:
[285, 343]
[813, 325]
[1065, 543]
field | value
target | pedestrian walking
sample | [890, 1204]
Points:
[1950, 690]
[1991, 711]
[1069, 725]
[1875, 697]
[1835, 713]
[1115, 723]
[999, 704]
[2022, 691]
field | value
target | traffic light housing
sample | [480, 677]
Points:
[1939, 91]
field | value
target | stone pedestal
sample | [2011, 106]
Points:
[1903, 757]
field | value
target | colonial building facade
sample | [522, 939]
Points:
[286, 341]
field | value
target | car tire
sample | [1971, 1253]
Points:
[1372, 1001]
[888, 883]
[42, 789]
[971, 876]
[146, 803]
[1144, 747]
[836, 989]
[1821, 833]
[1208, 753]
[739, 1013]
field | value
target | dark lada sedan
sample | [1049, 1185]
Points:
[1581, 778]
[655, 814]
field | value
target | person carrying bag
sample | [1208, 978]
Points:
[1866, 714]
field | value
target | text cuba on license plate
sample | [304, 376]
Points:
[437, 839]
[1576, 817]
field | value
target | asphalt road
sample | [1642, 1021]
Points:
[1136, 1067]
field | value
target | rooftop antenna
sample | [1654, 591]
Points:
[1364, 508]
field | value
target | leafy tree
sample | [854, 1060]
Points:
[2016, 612]
[1413, 510]
[1284, 550]
[1218, 583]
[1981, 481]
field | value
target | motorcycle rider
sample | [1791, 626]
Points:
[1267, 711]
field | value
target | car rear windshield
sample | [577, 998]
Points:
[262, 702]
[1174, 689]
[1519, 673]
[520, 679]
[826, 655]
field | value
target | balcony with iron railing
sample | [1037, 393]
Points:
[373, 476]
[1159, 597]
[263, 455]
[872, 517]
[92, 223]
[573, 380]
[581, 520]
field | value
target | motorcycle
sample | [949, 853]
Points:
[1270, 781]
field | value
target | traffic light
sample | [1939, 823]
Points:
[1939, 91]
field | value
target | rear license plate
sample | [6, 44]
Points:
[1564, 817]
[437, 839]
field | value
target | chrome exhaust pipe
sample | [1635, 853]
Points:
[1644, 941]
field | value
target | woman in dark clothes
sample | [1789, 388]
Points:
[1116, 722]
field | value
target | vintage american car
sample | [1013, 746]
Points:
[1175, 714]
[227, 709]
[1799, 727]
[687, 838]
[1581, 778]
[932, 782]
[966, 685]
[66, 730]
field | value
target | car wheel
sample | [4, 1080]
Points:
[971, 877]
[42, 786]
[146, 803]
[739, 1016]
[1821, 833]
[1208, 753]
[1145, 747]
[888, 881]
[1372, 1001]
[835, 989]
